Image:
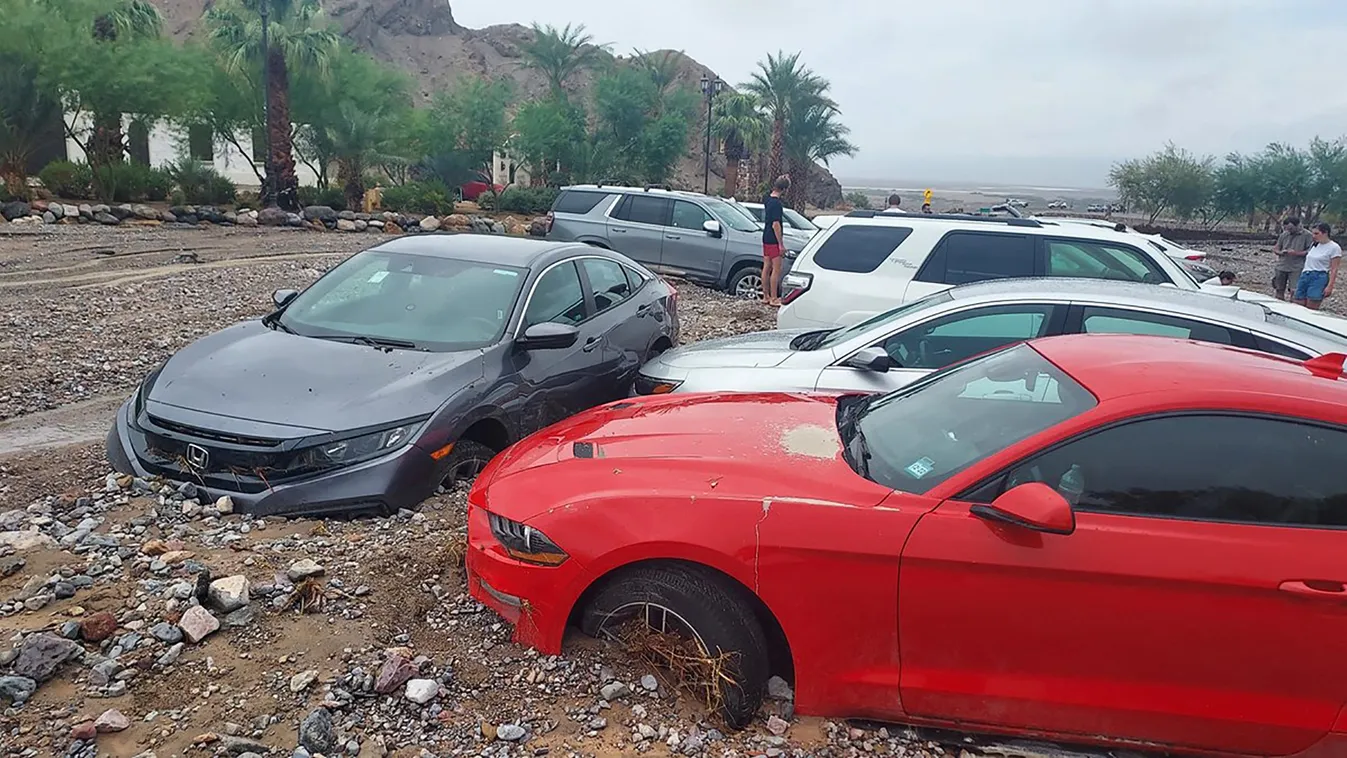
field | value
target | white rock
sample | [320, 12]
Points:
[430, 223]
[225, 505]
[26, 540]
[422, 691]
[229, 593]
[510, 732]
[303, 569]
[198, 624]
[301, 681]
[111, 720]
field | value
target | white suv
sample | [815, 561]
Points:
[868, 263]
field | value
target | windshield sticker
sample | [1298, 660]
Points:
[921, 468]
[503, 272]
[378, 276]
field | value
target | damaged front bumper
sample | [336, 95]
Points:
[401, 479]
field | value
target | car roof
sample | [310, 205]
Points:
[1193, 302]
[620, 189]
[1118, 366]
[1028, 225]
[479, 248]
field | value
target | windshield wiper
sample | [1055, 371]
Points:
[810, 340]
[361, 339]
[273, 320]
[856, 450]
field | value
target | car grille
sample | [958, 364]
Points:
[233, 463]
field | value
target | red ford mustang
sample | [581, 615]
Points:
[1110, 540]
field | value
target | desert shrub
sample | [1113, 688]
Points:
[857, 200]
[332, 197]
[248, 200]
[200, 184]
[133, 182]
[430, 198]
[526, 199]
[72, 181]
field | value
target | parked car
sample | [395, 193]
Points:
[796, 225]
[904, 344]
[697, 237]
[407, 365]
[1192, 260]
[475, 189]
[1114, 540]
[868, 263]
[1059, 205]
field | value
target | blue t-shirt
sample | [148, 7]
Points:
[772, 214]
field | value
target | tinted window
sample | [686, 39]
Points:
[643, 209]
[607, 282]
[1119, 321]
[1276, 348]
[558, 297]
[572, 201]
[975, 257]
[1094, 260]
[689, 215]
[959, 336]
[919, 436]
[859, 249]
[1206, 467]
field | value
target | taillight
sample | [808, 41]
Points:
[795, 285]
[673, 292]
[1197, 257]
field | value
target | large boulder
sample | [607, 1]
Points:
[14, 209]
[272, 217]
[319, 213]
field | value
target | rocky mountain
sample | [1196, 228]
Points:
[422, 37]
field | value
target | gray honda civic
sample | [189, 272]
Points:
[406, 366]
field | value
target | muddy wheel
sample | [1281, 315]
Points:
[746, 283]
[465, 462]
[728, 647]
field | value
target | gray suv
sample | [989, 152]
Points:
[697, 237]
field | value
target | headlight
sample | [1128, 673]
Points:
[649, 385]
[350, 450]
[138, 399]
[524, 543]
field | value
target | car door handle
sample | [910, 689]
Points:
[591, 343]
[1323, 589]
[672, 237]
[644, 310]
[618, 231]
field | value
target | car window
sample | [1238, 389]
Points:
[758, 213]
[689, 215]
[859, 249]
[634, 278]
[974, 257]
[840, 336]
[919, 436]
[1277, 348]
[1095, 320]
[557, 297]
[798, 221]
[733, 215]
[1204, 467]
[643, 209]
[607, 282]
[573, 201]
[958, 336]
[1100, 261]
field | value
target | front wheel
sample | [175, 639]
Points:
[465, 462]
[746, 283]
[694, 623]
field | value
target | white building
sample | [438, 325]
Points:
[162, 144]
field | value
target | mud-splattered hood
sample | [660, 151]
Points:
[740, 446]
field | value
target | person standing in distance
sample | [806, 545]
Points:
[773, 237]
[895, 204]
[1321, 269]
[1290, 251]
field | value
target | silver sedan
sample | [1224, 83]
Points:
[897, 347]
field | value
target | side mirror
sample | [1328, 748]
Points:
[1034, 506]
[282, 298]
[872, 359]
[548, 336]
[712, 228]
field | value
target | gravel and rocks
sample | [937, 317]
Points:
[171, 626]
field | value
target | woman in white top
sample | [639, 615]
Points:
[1320, 274]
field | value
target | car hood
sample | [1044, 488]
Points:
[249, 376]
[756, 350]
[755, 447]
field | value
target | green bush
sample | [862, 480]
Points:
[430, 198]
[332, 197]
[200, 184]
[858, 200]
[134, 182]
[526, 200]
[71, 181]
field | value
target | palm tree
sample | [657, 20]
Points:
[560, 53]
[782, 84]
[742, 130]
[27, 111]
[814, 135]
[299, 39]
[662, 67]
[127, 18]
[359, 138]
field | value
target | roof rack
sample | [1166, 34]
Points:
[664, 187]
[1006, 220]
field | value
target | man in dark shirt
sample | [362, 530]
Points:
[773, 237]
[1290, 250]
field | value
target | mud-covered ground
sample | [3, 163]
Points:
[98, 604]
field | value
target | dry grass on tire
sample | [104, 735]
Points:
[690, 667]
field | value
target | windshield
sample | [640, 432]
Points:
[919, 436]
[413, 301]
[842, 336]
[732, 215]
[797, 221]
[757, 213]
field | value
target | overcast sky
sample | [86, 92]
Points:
[1038, 92]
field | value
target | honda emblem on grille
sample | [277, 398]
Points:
[197, 457]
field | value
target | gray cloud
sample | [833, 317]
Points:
[1034, 91]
